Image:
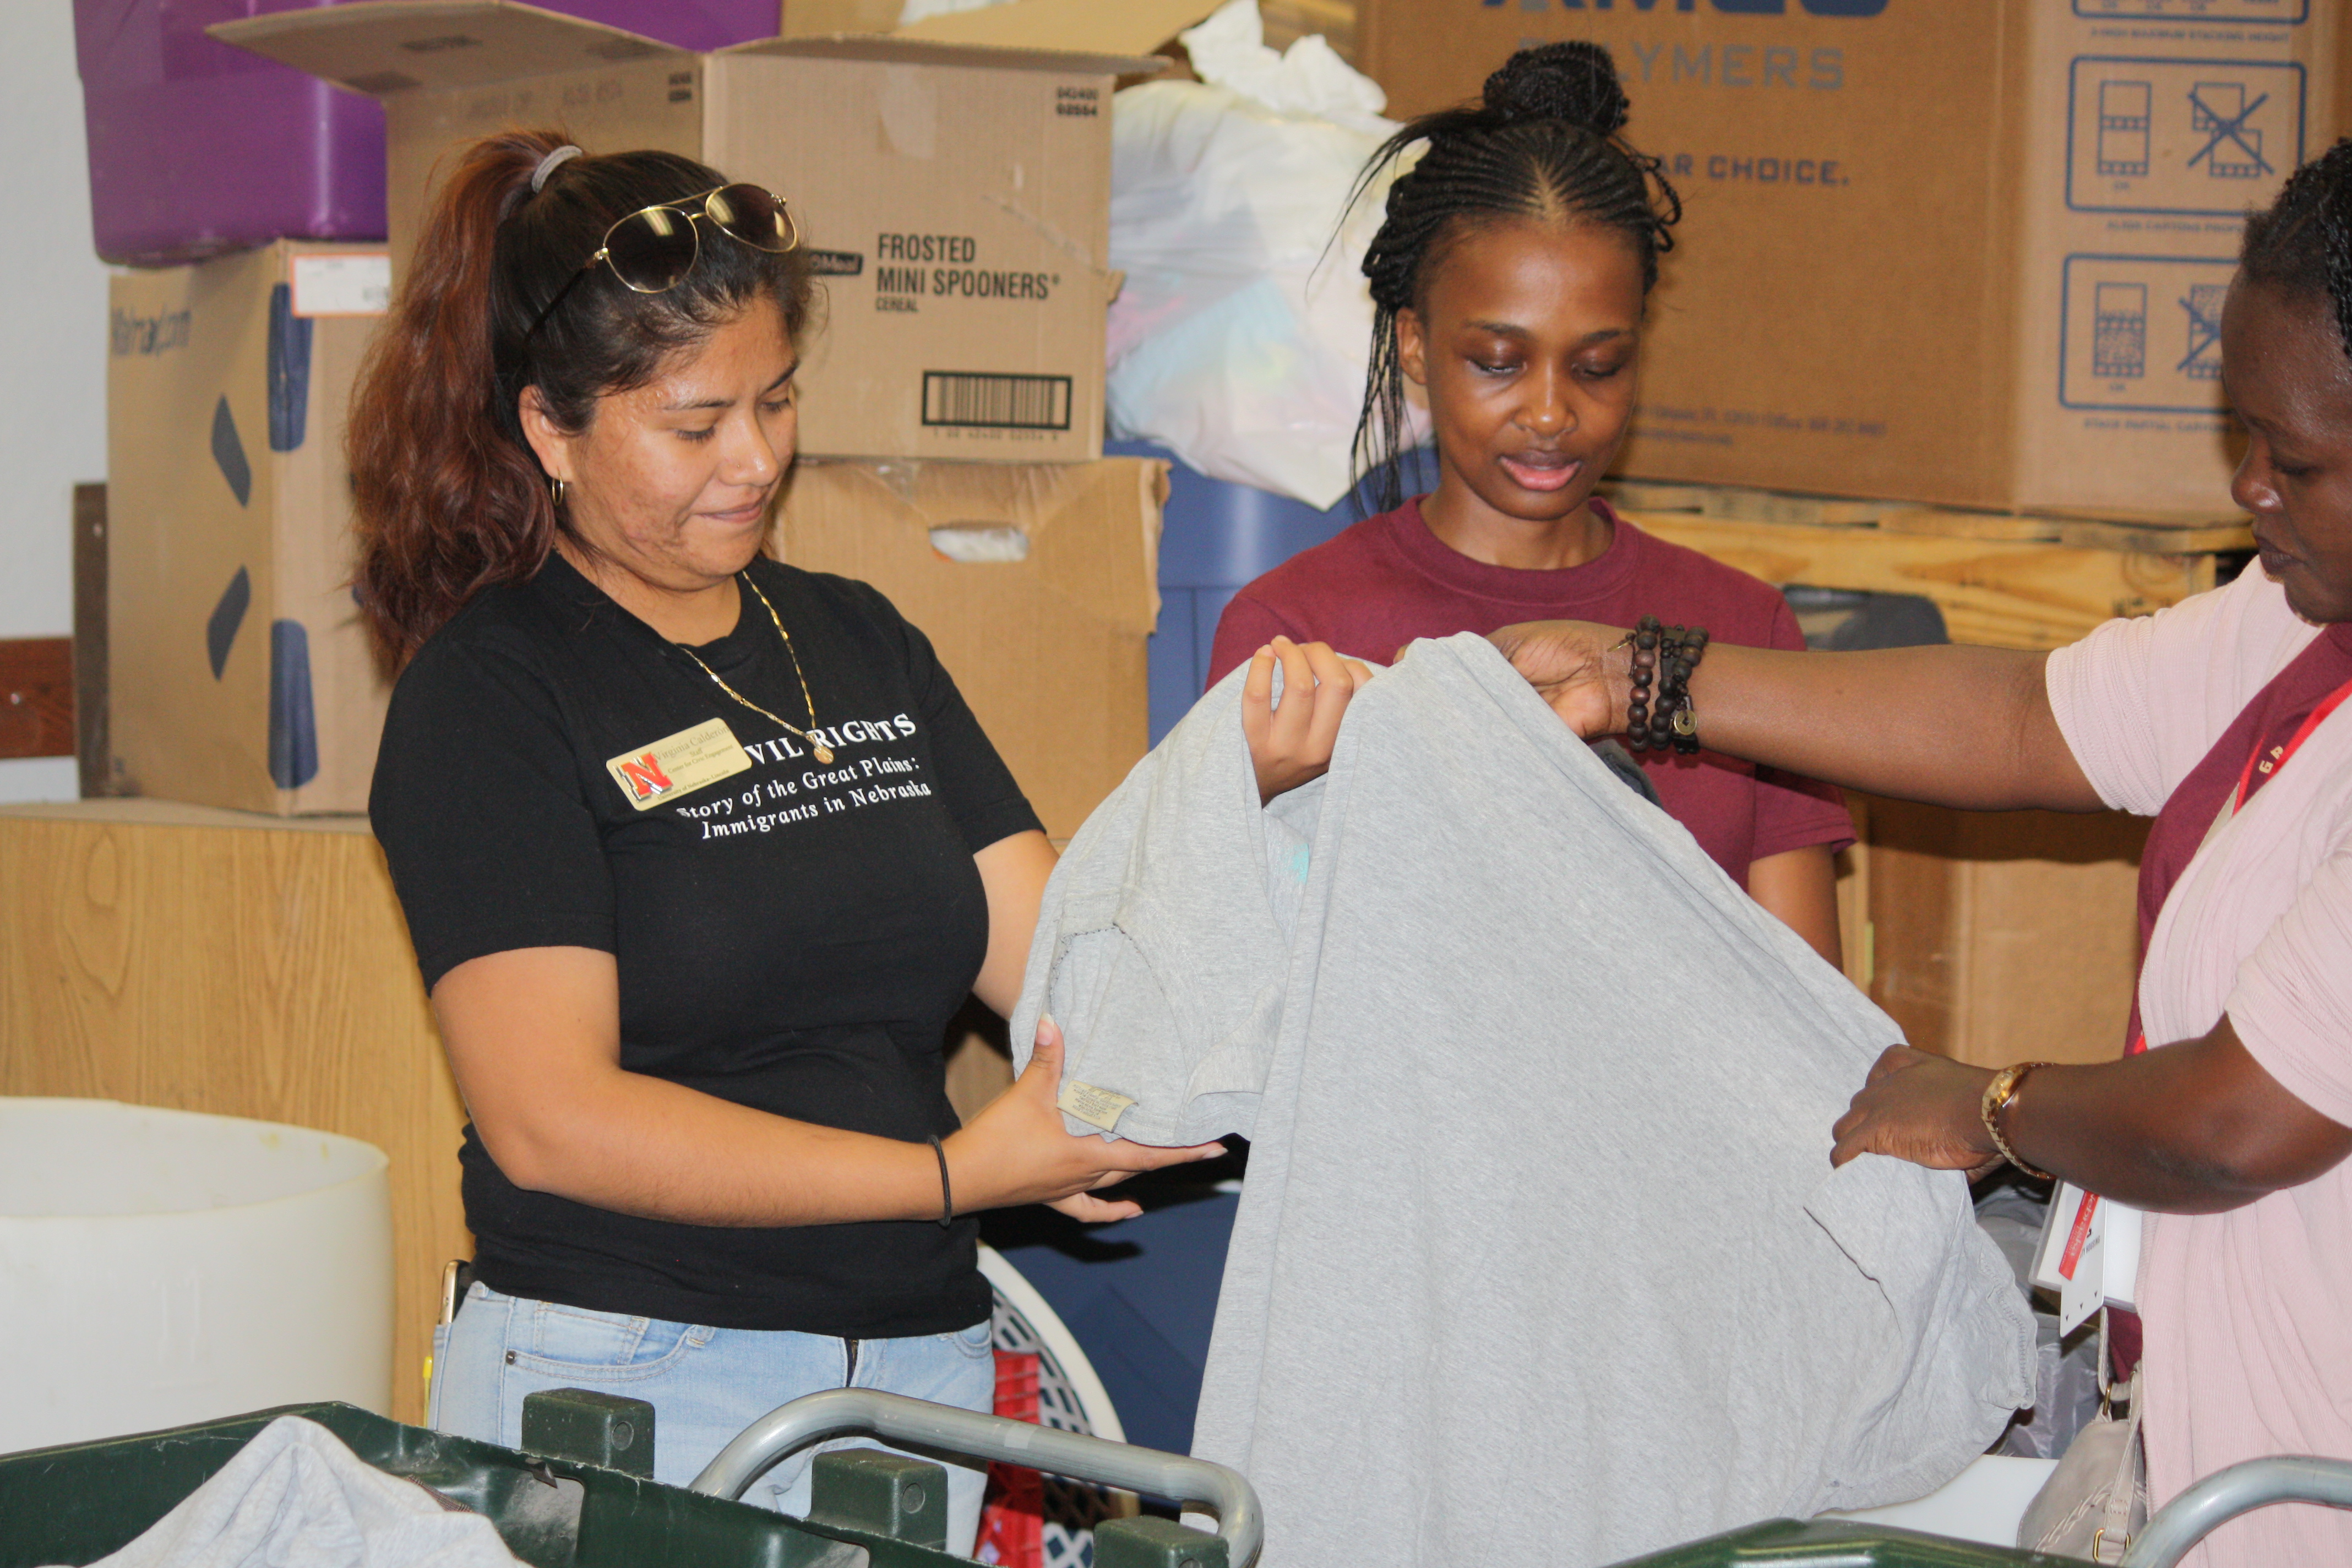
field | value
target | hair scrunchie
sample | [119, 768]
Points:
[549, 165]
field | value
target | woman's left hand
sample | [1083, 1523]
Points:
[1919, 1107]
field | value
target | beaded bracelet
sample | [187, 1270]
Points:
[1644, 638]
[1667, 655]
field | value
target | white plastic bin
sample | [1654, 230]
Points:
[1984, 1503]
[159, 1268]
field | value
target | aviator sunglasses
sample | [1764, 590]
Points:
[652, 250]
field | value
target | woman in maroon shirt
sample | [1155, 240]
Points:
[1509, 282]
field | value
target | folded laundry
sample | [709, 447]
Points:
[1540, 1256]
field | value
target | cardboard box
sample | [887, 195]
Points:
[240, 674]
[1968, 252]
[1036, 584]
[952, 182]
[1995, 937]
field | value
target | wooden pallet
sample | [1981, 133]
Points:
[2151, 532]
[2003, 580]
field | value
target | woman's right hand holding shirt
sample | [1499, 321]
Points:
[1017, 1150]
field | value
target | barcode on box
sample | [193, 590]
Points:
[341, 284]
[978, 399]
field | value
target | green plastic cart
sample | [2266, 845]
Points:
[578, 1494]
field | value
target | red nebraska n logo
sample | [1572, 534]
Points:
[646, 777]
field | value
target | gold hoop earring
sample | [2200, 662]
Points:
[555, 492]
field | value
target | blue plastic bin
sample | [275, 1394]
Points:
[1215, 540]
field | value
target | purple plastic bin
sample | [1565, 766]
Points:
[198, 147]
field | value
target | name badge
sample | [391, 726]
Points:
[678, 764]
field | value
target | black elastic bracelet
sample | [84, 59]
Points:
[947, 1194]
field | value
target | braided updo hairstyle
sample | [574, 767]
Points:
[1542, 143]
[2303, 242]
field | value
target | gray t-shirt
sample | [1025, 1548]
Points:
[1541, 1256]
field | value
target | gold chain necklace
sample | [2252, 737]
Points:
[816, 744]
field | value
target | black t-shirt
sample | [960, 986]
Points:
[793, 937]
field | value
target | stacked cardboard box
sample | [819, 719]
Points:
[239, 672]
[1969, 252]
[953, 184]
[1036, 584]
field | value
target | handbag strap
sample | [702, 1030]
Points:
[2106, 1367]
[2123, 1492]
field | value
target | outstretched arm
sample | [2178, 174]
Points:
[1968, 727]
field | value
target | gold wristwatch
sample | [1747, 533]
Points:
[1997, 1096]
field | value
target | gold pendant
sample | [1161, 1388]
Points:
[823, 752]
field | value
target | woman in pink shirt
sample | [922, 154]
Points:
[2225, 717]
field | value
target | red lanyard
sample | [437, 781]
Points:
[2318, 716]
[2286, 753]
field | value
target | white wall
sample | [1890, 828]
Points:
[52, 343]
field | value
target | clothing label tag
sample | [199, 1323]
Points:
[678, 765]
[2089, 1254]
[1096, 1107]
[342, 285]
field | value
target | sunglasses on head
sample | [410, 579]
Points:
[652, 250]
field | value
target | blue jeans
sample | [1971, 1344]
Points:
[705, 1385]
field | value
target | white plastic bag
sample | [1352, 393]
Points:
[1240, 337]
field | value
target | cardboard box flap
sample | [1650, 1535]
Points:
[894, 49]
[1130, 27]
[825, 19]
[382, 47]
[1049, 518]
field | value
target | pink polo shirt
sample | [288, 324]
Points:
[2247, 1314]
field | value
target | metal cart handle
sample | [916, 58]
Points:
[2225, 1494]
[842, 1411]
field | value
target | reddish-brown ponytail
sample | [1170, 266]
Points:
[449, 498]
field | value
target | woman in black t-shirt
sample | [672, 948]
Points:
[698, 852]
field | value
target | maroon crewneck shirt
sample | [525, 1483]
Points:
[1388, 580]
